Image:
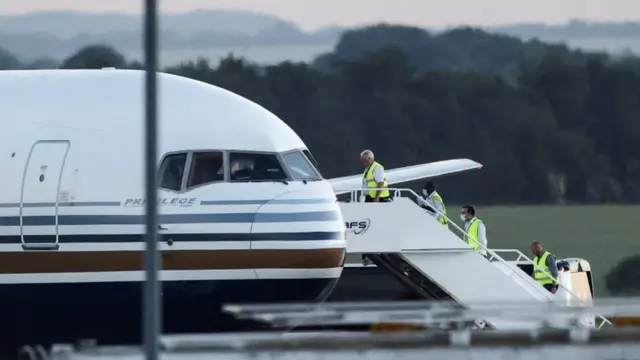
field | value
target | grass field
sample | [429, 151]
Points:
[602, 235]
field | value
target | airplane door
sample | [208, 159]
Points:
[39, 194]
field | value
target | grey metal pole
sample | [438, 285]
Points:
[152, 307]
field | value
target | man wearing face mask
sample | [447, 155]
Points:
[433, 201]
[476, 232]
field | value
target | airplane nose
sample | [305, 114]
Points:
[301, 236]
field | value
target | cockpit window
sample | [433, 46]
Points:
[299, 166]
[206, 167]
[172, 170]
[255, 167]
[313, 161]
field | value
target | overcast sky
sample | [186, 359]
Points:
[317, 13]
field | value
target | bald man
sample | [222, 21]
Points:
[547, 262]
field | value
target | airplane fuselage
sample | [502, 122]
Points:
[89, 281]
[245, 216]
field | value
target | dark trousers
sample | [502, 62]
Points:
[382, 199]
[369, 199]
[549, 287]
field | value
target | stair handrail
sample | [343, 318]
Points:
[521, 256]
[501, 260]
[397, 192]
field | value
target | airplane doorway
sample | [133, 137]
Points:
[39, 196]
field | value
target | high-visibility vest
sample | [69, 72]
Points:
[538, 273]
[371, 181]
[472, 237]
[442, 219]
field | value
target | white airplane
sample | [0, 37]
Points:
[246, 217]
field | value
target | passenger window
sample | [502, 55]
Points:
[171, 171]
[255, 167]
[299, 167]
[206, 167]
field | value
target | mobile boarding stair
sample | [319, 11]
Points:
[408, 242]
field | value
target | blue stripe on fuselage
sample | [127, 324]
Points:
[48, 220]
[202, 202]
[132, 238]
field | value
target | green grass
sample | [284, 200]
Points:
[602, 235]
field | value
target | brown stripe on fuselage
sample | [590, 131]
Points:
[31, 262]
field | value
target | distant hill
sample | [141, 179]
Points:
[69, 24]
[57, 34]
[258, 37]
[459, 49]
[8, 60]
[574, 29]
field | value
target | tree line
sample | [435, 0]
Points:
[558, 126]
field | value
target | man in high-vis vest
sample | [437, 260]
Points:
[546, 265]
[433, 201]
[475, 231]
[374, 178]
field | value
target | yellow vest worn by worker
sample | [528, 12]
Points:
[442, 219]
[472, 238]
[371, 181]
[538, 274]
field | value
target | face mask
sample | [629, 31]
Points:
[462, 217]
[424, 192]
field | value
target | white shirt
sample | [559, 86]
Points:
[433, 203]
[378, 176]
[482, 232]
